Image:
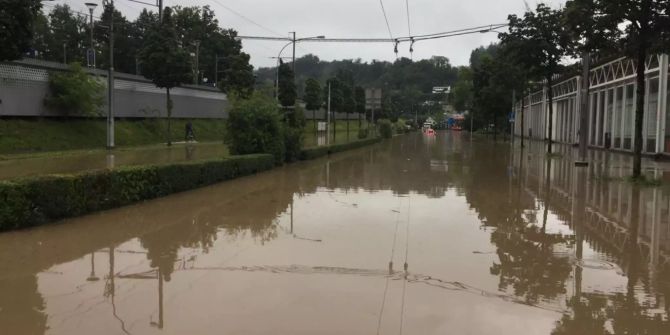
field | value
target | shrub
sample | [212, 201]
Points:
[400, 126]
[254, 126]
[294, 133]
[363, 133]
[75, 93]
[385, 128]
[34, 201]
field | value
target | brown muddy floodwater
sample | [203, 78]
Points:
[415, 235]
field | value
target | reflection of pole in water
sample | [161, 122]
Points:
[110, 159]
[578, 217]
[92, 276]
[160, 323]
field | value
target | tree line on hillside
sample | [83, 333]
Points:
[407, 84]
[532, 52]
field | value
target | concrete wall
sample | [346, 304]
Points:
[24, 85]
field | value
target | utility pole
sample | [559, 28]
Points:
[216, 70]
[512, 120]
[583, 113]
[90, 57]
[110, 84]
[196, 71]
[160, 10]
[64, 53]
[293, 67]
[328, 128]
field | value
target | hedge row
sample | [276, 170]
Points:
[34, 201]
[316, 152]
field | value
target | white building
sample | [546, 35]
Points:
[611, 108]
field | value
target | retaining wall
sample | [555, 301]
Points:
[24, 85]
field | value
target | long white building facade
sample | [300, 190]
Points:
[611, 110]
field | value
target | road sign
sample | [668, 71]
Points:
[373, 98]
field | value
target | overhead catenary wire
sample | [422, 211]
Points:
[409, 30]
[388, 26]
[406, 265]
[386, 285]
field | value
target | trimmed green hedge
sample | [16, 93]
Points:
[317, 152]
[34, 201]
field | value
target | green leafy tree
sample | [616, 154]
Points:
[334, 85]
[542, 41]
[645, 26]
[461, 94]
[125, 48]
[312, 97]
[67, 31]
[254, 126]
[17, 19]
[359, 97]
[219, 49]
[287, 91]
[164, 61]
[75, 93]
[41, 34]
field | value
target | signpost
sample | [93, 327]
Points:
[373, 100]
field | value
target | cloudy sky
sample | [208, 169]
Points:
[350, 18]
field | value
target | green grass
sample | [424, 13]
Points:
[30, 137]
[40, 135]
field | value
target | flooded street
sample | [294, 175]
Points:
[416, 235]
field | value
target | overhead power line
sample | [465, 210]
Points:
[246, 18]
[381, 2]
[416, 38]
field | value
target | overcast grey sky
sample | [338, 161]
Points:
[350, 18]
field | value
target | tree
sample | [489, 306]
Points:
[334, 85]
[75, 92]
[542, 40]
[67, 31]
[461, 94]
[359, 97]
[164, 61]
[312, 97]
[645, 24]
[348, 106]
[254, 126]
[125, 48]
[17, 18]
[287, 92]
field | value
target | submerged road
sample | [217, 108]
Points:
[416, 235]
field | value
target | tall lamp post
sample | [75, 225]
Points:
[90, 56]
[293, 42]
[110, 77]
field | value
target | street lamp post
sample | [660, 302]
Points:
[91, 52]
[196, 72]
[293, 42]
[110, 77]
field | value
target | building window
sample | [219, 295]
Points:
[629, 115]
[618, 117]
[651, 115]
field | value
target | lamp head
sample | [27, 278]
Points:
[91, 6]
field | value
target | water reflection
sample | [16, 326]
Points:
[555, 248]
